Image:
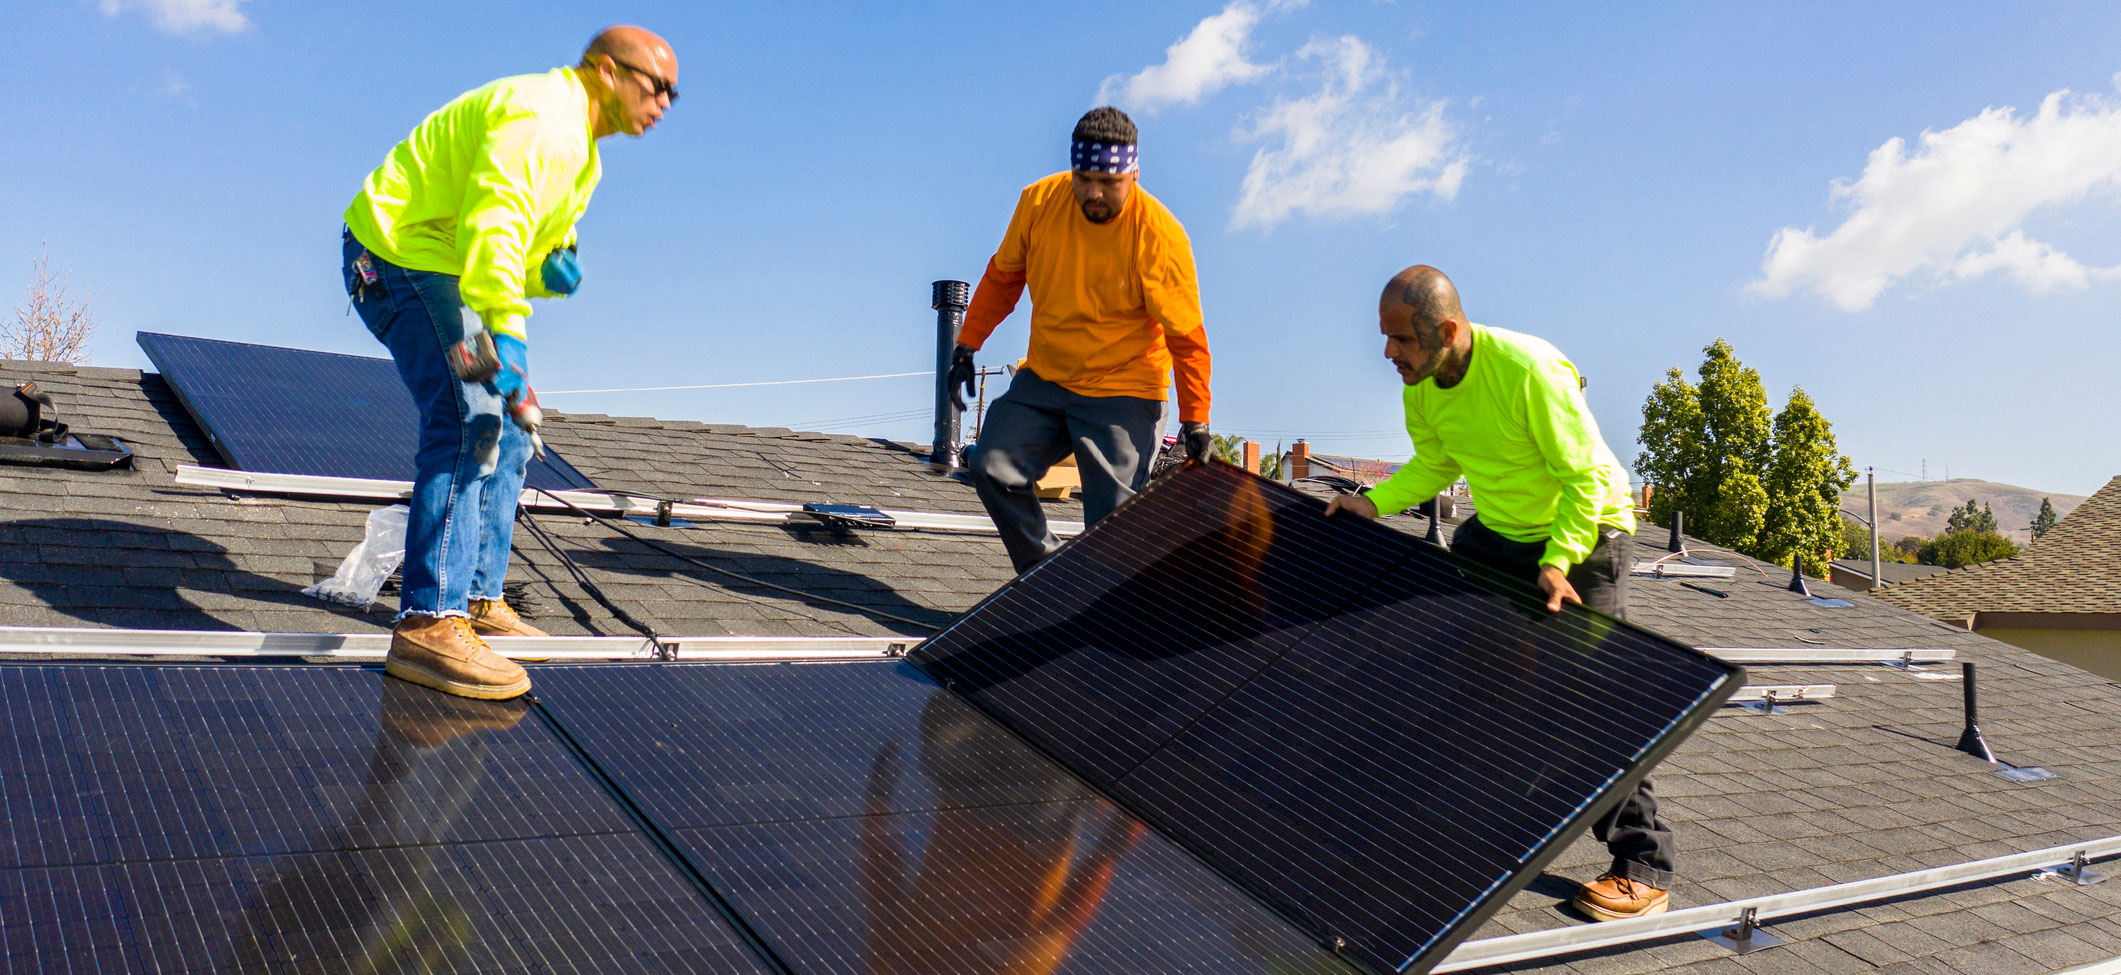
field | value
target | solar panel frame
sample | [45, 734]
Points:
[280, 410]
[946, 658]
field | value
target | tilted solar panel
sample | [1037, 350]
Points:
[293, 411]
[863, 821]
[192, 819]
[1376, 738]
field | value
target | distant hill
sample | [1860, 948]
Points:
[1922, 507]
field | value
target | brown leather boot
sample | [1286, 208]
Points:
[443, 652]
[493, 617]
[1614, 897]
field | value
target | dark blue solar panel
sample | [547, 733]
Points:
[292, 411]
[1376, 738]
[863, 821]
[192, 819]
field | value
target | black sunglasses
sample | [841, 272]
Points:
[657, 85]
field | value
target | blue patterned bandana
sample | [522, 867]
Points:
[1103, 157]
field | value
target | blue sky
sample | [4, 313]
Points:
[1630, 185]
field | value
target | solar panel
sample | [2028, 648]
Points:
[1376, 738]
[862, 820]
[318, 819]
[293, 411]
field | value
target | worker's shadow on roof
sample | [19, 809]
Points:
[119, 573]
[633, 558]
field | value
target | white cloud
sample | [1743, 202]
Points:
[186, 16]
[1956, 207]
[1355, 146]
[1206, 60]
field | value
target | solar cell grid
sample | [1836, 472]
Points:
[599, 903]
[293, 411]
[319, 818]
[1411, 748]
[100, 764]
[909, 833]
[722, 744]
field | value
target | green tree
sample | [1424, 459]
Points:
[1706, 448]
[1908, 549]
[1766, 486]
[1856, 542]
[1958, 549]
[1229, 447]
[2045, 519]
[1971, 519]
[1804, 479]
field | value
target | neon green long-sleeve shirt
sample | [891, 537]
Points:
[483, 189]
[1518, 429]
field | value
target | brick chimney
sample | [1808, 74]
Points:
[1252, 456]
[1300, 460]
[1648, 490]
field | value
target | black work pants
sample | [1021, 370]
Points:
[1035, 424]
[1641, 844]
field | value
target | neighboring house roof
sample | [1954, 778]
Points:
[1360, 469]
[1862, 785]
[1894, 572]
[2074, 568]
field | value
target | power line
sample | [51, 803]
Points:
[777, 382]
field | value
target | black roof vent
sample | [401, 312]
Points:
[30, 434]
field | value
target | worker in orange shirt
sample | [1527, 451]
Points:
[1115, 311]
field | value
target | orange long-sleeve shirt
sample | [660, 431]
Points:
[1115, 308]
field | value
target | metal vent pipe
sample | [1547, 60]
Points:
[949, 299]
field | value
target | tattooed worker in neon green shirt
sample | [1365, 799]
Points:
[1506, 411]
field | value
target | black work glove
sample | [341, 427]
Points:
[1200, 445]
[962, 375]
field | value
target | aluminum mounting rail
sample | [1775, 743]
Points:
[66, 641]
[600, 502]
[1708, 919]
[1669, 570]
[1781, 693]
[2111, 966]
[1825, 655]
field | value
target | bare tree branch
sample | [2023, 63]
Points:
[51, 325]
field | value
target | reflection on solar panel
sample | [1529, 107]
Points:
[318, 819]
[292, 411]
[1375, 738]
[862, 820]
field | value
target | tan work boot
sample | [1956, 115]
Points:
[493, 617]
[1614, 897]
[443, 652]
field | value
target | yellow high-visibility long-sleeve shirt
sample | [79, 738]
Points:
[1519, 430]
[483, 189]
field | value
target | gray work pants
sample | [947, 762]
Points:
[1035, 424]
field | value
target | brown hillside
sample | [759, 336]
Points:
[1922, 507]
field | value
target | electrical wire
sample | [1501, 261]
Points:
[731, 573]
[775, 382]
[595, 591]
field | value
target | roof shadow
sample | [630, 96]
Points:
[119, 573]
[798, 574]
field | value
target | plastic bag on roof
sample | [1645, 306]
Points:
[362, 573]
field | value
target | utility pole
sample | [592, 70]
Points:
[1870, 487]
[979, 418]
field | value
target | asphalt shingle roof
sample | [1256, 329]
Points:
[2074, 568]
[1862, 785]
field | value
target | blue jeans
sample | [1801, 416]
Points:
[468, 471]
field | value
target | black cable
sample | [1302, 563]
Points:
[595, 591]
[673, 553]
